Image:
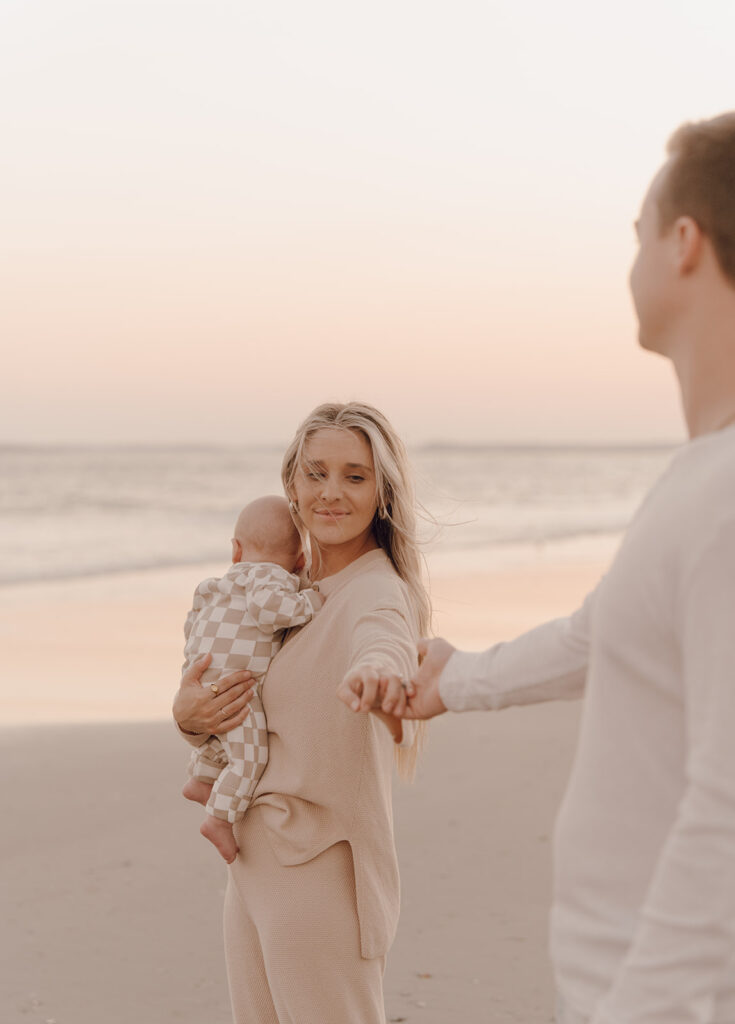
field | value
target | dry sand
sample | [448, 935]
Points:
[111, 900]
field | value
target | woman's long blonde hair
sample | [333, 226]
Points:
[394, 525]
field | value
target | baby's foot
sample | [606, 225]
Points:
[197, 790]
[220, 833]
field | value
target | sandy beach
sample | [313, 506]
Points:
[112, 899]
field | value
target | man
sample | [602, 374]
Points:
[643, 917]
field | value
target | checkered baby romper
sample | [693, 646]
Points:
[240, 620]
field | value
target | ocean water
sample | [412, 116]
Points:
[71, 511]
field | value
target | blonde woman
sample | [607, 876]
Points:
[313, 896]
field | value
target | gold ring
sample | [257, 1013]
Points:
[214, 688]
[404, 683]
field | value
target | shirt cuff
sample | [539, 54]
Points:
[457, 686]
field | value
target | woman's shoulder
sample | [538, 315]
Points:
[377, 585]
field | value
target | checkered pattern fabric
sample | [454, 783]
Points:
[240, 620]
[233, 762]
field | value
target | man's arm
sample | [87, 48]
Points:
[684, 945]
[547, 663]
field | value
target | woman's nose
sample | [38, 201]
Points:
[329, 489]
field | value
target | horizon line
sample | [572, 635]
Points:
[426, 445]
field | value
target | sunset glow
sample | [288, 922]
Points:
[220, 214]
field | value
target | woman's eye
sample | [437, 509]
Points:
[356, 479]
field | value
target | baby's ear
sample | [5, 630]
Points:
[236, 551]
[301, 562]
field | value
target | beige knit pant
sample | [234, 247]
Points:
[292, 938]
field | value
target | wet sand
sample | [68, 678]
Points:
[111, 898]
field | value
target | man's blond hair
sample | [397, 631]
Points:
[700, 184]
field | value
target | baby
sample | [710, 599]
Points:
[240, 620]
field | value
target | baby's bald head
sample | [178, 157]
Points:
[265, 532]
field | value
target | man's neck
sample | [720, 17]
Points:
[704, 361]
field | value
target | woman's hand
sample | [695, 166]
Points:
[199, 710]
[369, 688]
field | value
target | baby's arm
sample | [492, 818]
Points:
[275, 603]
[196, 606]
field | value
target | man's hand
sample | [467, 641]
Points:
[423, 693]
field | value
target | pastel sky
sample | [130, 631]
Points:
[219, 214]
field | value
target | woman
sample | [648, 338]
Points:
[312, 902]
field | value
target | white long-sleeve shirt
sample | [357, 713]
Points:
[643, 917]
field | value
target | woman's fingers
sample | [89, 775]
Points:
[370, 685]
[226, 699]
[212, 707]
[368, 689]
[394, 694]
[360, 688]
[233, 679]
[350, 690]
[235, 713]
[195, 671]
[230, 706]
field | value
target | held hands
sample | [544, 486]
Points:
[369, 688]
[425, 700]
[211, 709]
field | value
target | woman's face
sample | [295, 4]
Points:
[335, 489]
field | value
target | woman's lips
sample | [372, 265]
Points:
[326, 513]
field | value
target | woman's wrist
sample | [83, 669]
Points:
[187, 732]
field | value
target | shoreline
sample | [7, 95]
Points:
[109, 648]
[442, 560]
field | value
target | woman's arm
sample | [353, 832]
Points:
[200, 711]
[383, 658]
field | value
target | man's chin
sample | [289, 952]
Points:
[649, 344]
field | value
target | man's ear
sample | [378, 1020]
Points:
[236, 551]
[689, 244]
